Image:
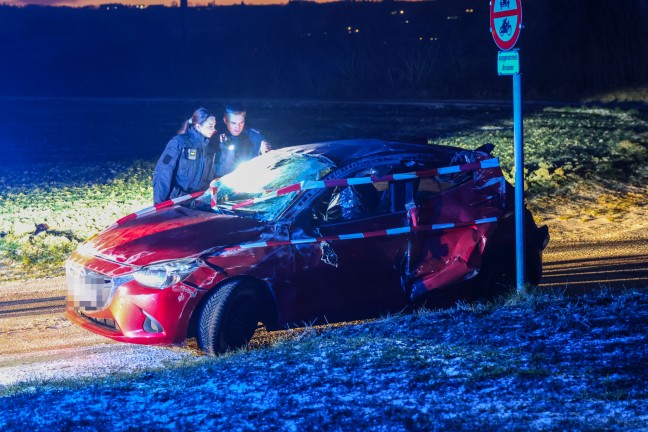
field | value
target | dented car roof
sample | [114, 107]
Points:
[348, 151]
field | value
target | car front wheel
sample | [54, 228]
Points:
[229, 318]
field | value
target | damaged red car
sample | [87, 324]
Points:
[307, 234]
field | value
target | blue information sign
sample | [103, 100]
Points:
[508, 62]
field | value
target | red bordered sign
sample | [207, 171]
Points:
[505, 22]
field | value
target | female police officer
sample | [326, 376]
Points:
[189, 160]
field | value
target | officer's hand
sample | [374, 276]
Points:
[265, 147]
[223, 138]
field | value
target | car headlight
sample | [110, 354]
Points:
[163, 275]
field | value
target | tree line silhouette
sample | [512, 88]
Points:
[434, 49]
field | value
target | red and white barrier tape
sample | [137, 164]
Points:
[156, 207]
[381, 233]
[321, 184]
[314, 184]
[213, 190]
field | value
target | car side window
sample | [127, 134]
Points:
[345, 203]
[350, 203]
[430, 186]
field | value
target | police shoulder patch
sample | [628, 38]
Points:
[167, 159]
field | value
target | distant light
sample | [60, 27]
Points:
[453, 17]
[470, 10]
[357, 30]
[402, 12]
[406, 21]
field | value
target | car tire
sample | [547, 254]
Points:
[229, 318]
[499, 274]
[494, 279]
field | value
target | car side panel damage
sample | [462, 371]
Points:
[436, 259]
[425, 259]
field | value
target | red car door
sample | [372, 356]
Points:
[358, 274]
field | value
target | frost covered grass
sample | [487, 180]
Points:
[566, 146]
[539, 361]
[47, 209]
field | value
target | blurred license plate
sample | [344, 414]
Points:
[87, 290]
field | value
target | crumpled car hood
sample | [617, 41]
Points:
[170, 234]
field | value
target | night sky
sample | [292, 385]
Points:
[81, 3]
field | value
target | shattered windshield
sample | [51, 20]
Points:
[258, 176]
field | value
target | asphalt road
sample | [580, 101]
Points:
[38, 342]
[578, 267]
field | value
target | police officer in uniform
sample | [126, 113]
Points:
[238, 143]
[189, 161]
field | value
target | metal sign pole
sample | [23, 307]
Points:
[519, 182]
[505, 26]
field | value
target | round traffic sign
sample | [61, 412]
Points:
[505, 22]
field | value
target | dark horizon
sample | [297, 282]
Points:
[416, 50]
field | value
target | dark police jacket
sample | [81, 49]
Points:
[188, 164]
[236, 149]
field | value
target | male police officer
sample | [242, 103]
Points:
[238, 143]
